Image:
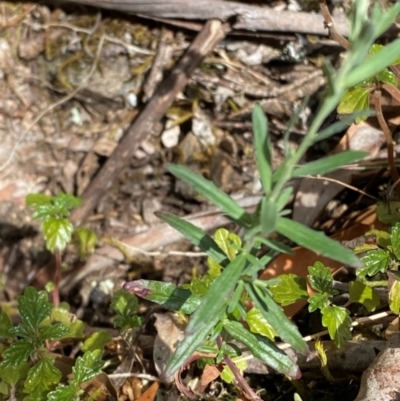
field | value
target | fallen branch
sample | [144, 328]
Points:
[154, 110]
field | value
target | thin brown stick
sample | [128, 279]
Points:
[393, 91]
[388, 136]
[155, 109]
[329, 24]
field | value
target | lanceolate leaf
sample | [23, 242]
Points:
[316, 241]
[166, 294]
[196, 236]
[213, 193]
[275, 316]
[263, 349]
[262, 148]
[208, 314]
[329, 163]
[268, 216]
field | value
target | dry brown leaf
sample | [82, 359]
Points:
[210, 373]
[150, 393]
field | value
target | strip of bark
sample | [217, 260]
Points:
[244, 16]
[155, 109]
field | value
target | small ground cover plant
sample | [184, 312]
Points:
[218, 303]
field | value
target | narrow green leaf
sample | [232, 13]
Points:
[375, 261]
[321, 278]
[259, 325]
[263, 349]
[87, 366]
[395, 240]
[196, 236]
[268, 216]
[374, 64]
[337, 320]
[284, 198]
[363, 294]
[275, 316]
[213, 193]
[42, 377]
[316, 241]
[166, 294]
[57, 233]
[329, 163]
[394, 297]
[208, 313]
[262, 148]
[34, 307]
[290, 289]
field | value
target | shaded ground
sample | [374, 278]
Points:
[70, 85]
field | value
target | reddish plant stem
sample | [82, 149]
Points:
[247, 390]
[393, 91]
[389, 141]
[57, 278]
[329, 24]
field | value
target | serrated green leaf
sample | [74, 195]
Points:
[318, 301]
[395, 240]
[375, 261]
[124, 303]
[316, 241]
[355, 100]
[394, 297]
[321, 278]
[213, 193]
[196, 236]
[64, 201]
[268, 216]
[57, 233]
[42, 377]
[88, 366]
[228, 242]
[12, 374]
[337, 320]
[259, 325]
[275, 316]
[263, 349]
[209, 312]
[329, 163]
[97, 341]
[76, 328]
[262, 147]
[53, 332]
[125, 323]
[375, 48]
[363, 294]
[36, 396]
[34, 307]
[17, 352]
[35, 200]
[65, 393]
[166, 294]
[5, 325]
[289, 290]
